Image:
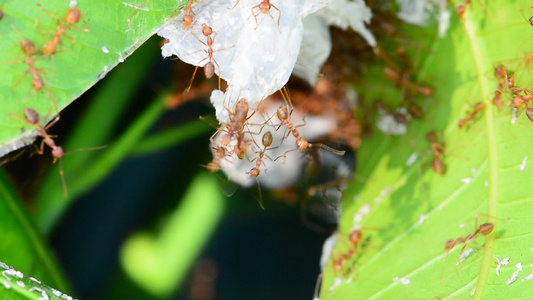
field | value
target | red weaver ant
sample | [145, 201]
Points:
[187, 18]
[284, 115]
[266, 141]
[72, 17]
[264, 8]
[29, 50]
[460, 10]
[478, 107]
[32, 118]
[209, 67]
[438, 152]
[485, 229]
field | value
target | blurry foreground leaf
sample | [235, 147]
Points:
[21, 244]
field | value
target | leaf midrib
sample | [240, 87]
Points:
[478, 55]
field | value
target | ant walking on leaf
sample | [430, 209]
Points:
[483, 229]
[72, 17]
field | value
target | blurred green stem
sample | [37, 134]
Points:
[50, 208]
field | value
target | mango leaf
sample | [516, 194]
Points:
[115, 29]
[407, 211]
[24, 249]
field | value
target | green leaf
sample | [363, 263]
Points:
[16, 285]
[22, 245]
[410, 217]
[76, 67]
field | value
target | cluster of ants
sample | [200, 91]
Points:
[521, 95]
[264, 7]
[235, 130]
[234, 138]
[31, 55]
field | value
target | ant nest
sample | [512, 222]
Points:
[254, 47]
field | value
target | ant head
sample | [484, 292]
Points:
[58, 152]
[355, 236]
[31, 115]
[461, 10]
[27, 46]
[486, 228]
[255, 172]
[431, 137]
[206, 30]
[73, 16]
[187, 20]
[264, 7]
[337, 265]
[449, 245]
[500, 71]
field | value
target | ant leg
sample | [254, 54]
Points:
[20, 80]
[70, 38]
[279, 15]
[235, 4]
[49, 13]
[84, 29]
[218, 73]
[63, 181]
[40, 150]
[194, 74]
[52, 123]
[255, 15]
